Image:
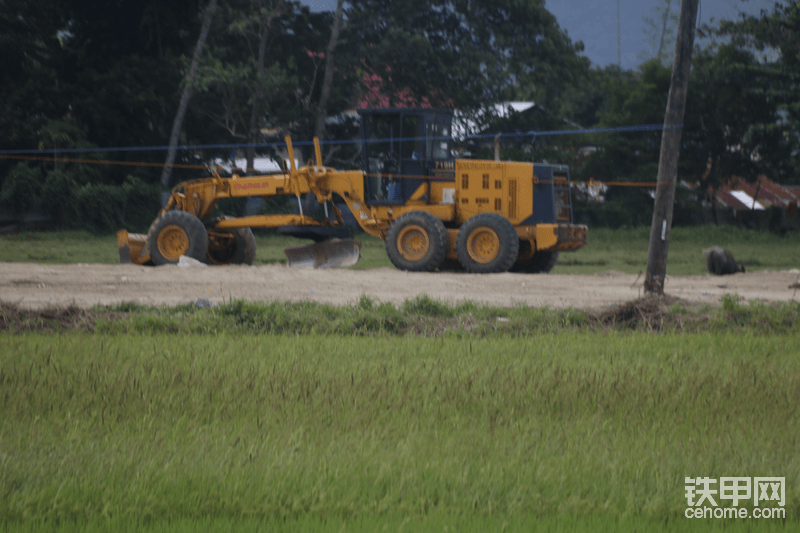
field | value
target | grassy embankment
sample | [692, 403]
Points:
[624, 250]
[420, 317]
[552, 432]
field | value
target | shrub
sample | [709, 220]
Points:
[99, 208]
[58, 197]
[141, 204]
[20, 190]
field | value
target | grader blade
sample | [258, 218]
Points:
[132, 248]
[327, 254]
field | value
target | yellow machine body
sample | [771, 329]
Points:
[505, 190]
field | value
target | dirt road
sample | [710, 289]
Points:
[85, 285]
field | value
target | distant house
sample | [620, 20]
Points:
[465, 124]
[762, 203]
[741, 195]
[261, 165]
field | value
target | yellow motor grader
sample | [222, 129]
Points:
[432, 211]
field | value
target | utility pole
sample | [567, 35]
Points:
[670, 151]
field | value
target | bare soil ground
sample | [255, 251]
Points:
[85, 285]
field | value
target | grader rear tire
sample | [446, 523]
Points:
[487, 243]
[236, 246]
[540, 263]
[531, 262]
[417, 241]
[176, 233]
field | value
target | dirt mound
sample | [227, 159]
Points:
[16, 318]
[651, 313]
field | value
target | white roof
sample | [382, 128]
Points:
[747, 200]
[260, 164]
[470, 125]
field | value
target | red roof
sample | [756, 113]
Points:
[764, 191]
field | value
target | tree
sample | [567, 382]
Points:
[188, 87]
[240, 72]
[31, 90]
[462, 53]
[773, 72]
[322, 108]
[732, 120]
[521, 51]
[661, 28]
[109, 69]
[249, 93]
[122, 67]
[630, 99]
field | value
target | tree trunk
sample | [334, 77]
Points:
[327, 81]
[252, 136]
[177, 124]
[670, 151]
[258, 89]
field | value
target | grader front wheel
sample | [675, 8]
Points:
[176, 233]
[413, 242]
[417, 241]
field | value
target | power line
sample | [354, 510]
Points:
[460, 138]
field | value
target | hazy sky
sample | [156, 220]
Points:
[595, 23]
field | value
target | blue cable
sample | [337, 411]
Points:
[618, 129]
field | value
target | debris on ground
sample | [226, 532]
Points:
[186, 261]
[651, 313]
[17, 318]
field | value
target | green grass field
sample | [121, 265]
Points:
[331, 430]
[624, 250]
[274, 416]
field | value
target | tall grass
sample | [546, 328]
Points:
[181, 427]
[434, 522]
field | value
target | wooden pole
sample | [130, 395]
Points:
[670, 151]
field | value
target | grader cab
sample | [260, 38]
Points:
[432, 211]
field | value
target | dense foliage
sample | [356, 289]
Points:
[84, 74]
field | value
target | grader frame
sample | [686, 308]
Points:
[482, 216]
